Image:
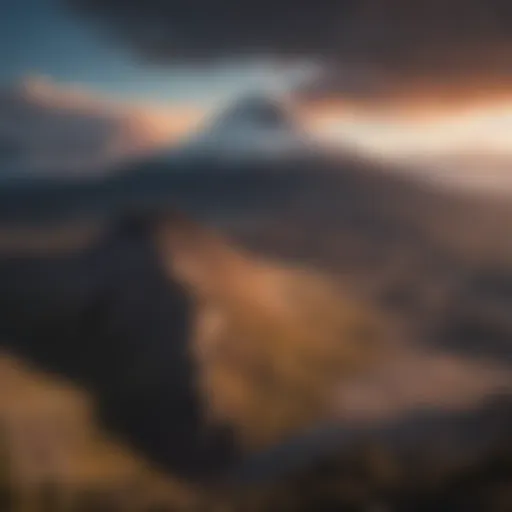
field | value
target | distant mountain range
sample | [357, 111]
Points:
[256, 127]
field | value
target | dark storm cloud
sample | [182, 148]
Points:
[183, 29]
[441, 36]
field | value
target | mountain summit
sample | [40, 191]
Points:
[254, 127]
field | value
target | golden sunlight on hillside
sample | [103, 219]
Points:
[53, 455]
[285, 339]
[272, 341]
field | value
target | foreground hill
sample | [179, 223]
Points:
[426, 274]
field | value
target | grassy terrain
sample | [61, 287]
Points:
[267, 371]
[426, 276]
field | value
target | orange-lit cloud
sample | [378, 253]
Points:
[470, 146]
[418, 98]
[484, 127]
[158, 120]
[49, 127]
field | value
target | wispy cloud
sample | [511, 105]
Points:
[53, 128]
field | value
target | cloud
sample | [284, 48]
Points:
[422, 93]
[448, 38]
[52, 128]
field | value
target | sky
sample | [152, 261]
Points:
[420, 119]
[41, 38]
[48, 38]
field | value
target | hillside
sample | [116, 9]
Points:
[265, 370]
[306, 241]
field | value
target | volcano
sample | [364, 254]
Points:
[255, 127]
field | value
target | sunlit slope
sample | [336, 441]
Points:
[435, 265]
